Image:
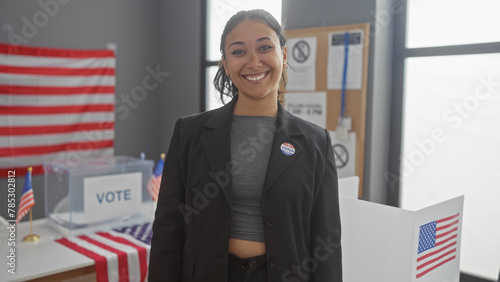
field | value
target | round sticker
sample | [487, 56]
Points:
[287, 149]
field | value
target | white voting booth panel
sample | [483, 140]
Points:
[349, 187]
[387, 244]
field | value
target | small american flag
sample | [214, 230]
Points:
[154, 182]
[437, 244]
[27, 198]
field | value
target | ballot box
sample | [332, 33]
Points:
[97, 193]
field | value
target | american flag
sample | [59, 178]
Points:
[154, 182]
[117, 256]
[142, 232]
[27, 198]
[55, 104]
[437, 244]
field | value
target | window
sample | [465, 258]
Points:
[442, 23]
[450, 120]
[218, 13]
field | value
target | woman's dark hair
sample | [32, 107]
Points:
[222, 82]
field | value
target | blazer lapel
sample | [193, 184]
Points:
[216, 142]
[286, 129]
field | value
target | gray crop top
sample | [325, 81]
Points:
[251, 141]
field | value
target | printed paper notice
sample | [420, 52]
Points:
[310, 106]
[112, 196]
[302, 61]
[345, 154]
[336, 52]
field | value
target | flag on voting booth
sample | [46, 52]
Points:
[55, 104]
[437, 244]
[436, 251]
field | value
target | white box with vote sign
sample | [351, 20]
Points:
[97, 193]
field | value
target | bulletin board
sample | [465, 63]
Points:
[355, 99]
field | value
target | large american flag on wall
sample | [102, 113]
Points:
[55, 104]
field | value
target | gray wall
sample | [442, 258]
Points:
[166, 34]
[181, 50]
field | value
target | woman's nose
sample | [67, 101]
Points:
[253, 60]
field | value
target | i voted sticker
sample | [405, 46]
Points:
[287, 149]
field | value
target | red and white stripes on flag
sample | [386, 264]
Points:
[154, 187]
[55, 104]
[117, 256]
[437, 244]
[27, 197]
[155, 180]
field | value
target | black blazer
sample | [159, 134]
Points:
[299, 203]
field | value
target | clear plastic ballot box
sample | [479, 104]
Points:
[97, 193]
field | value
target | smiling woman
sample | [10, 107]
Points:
[249, 192]
[254, 59]
[218, 13]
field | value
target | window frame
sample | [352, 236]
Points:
[205, 64]
[401, 53]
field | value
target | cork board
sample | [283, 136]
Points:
[355, 99]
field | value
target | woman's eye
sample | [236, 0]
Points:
[237, 52]
[265, 48]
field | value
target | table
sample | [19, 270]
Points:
[45, 260]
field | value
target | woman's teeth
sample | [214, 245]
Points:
[254, 78]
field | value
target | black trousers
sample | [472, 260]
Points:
[247, 270]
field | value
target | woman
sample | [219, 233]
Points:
[249, 192]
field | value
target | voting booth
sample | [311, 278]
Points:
[97, 193]
[382, 243]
